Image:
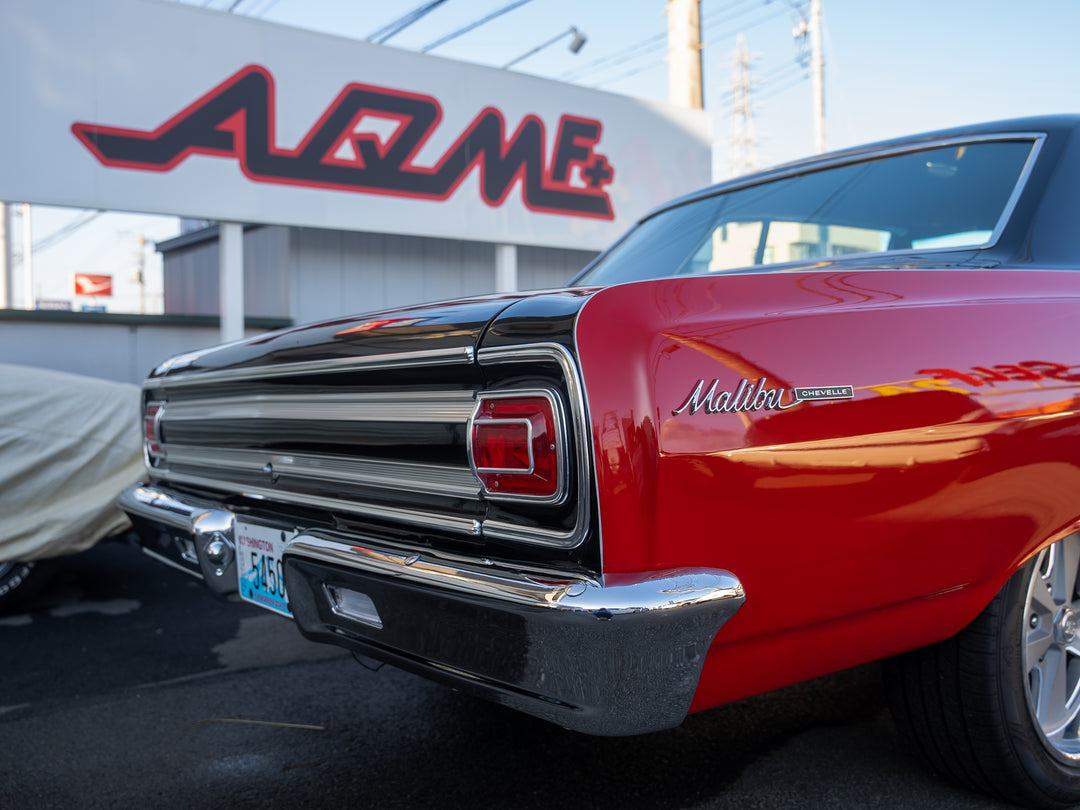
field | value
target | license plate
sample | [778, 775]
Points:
[259, 570]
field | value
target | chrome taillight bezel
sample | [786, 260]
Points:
[153, 446]
[498, 483]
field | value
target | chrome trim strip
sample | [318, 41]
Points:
[504, 530]
[397, 406]
[1018, 189]
[428, 479]
[430, 571]
[615, 595]
[428, 520]
[463, 355]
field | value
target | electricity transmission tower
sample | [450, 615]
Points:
[743, 147]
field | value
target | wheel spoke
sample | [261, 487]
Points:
[1042, 599]
[1052, 690]
[1038, 643]
[1045, 566]
[1066, 568]
[1072, 702]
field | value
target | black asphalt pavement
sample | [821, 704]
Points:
[127, 684]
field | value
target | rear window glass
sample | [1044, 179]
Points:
[947, 197]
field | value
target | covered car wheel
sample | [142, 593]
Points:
[19, 581]
[997, 707]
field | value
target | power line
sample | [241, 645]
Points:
[779, 74]
[628, 74]
[747, 26]
[719, 14]
[67, 230]
[473, 25]
[657, 42]
[618, 57]
[775, 91]
[404, 21]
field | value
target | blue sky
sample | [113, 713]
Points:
[890, 69]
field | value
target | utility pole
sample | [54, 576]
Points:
[817, 75]
[140, 274]
[7, 291]
[743, 154]
[684, 54]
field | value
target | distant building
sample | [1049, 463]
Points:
[308, 274]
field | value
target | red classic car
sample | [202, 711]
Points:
[822, 415]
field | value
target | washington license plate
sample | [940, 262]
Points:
[259, 569]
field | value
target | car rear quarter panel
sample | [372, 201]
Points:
[862, 527]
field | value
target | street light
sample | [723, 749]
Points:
[576, 45]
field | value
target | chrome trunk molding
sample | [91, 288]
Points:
[423, 479]
[393, 514]
[435, 357]
[420, 406]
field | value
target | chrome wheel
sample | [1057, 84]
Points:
[1051, 649]
[997, 706]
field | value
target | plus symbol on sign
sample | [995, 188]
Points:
[598, 172]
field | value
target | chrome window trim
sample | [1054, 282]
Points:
[1037, 141]
[411, 517]
[575, 536]
[398, 406]
[426, 479]
[460, 356]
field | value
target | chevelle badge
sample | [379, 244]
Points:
[757, 396]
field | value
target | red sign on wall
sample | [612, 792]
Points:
[87, 284]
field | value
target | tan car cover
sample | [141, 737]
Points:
[69, 445]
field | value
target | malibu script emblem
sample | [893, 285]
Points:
[755, 397]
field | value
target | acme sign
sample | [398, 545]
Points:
[757, 396]
[236, 120]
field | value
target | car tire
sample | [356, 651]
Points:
[997, 707]
[19, 581]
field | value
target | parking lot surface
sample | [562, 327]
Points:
[128, 684]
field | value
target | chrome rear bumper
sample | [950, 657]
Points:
[616, 656]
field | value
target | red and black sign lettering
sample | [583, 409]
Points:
[236, 119]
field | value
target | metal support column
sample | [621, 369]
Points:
[506, 275]
[27, 256]
[231, 247]
[7, 285]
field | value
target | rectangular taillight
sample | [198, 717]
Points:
[152, 429]
[517, 445]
